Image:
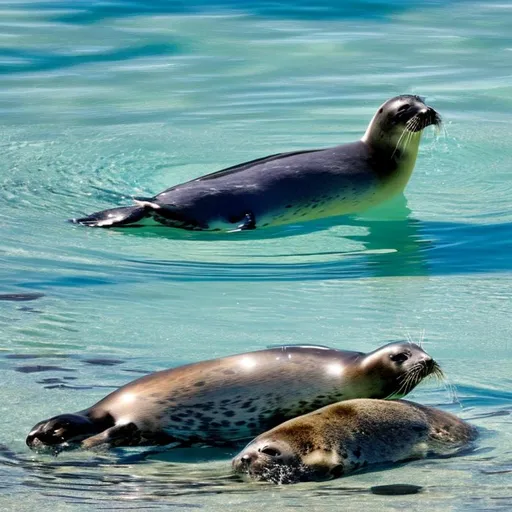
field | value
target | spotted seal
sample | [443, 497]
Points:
[343, 437]
[290, 187]
[229, 400]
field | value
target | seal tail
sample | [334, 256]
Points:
[115, 217]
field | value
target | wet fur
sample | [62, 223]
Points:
[229, 400]
[344, 437]
[292, 187]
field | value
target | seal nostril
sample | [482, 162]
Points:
[429, 364]
[246, 460]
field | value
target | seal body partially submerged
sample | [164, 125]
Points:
[290, 187]
[225, 401]
[343, 437]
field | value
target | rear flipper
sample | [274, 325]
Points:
[114, 217]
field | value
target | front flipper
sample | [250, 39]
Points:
[248, 222]
[118, 435]
[114, 217]
[126, 435]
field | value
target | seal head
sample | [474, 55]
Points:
[399, 367]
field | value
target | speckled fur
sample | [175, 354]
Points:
[344, 437]
[234, 398]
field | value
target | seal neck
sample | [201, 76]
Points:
[394, 155]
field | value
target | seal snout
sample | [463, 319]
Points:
[242, 463]
[268, 460]
[432, 368]
[429, 364]
[426, 116]
[253, 455]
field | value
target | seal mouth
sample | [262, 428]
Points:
[268, 471]
[418, 372]
[425, 117]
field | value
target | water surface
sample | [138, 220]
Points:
[103, 101]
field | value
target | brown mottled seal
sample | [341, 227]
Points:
[224, 401]
[290, 187]
[346, 436]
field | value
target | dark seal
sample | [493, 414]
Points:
[290, 187]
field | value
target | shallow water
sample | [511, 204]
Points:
[100, 102]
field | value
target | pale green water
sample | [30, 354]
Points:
[99, 101]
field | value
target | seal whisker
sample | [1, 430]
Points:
[413, 368]
[404, 131]
[448, 386]
[422, 338]
[408, 139]
[411, 380]
[402, 390]
[414, 376]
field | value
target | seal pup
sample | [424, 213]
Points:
[343, 437]
[232, 399]
[297, 186]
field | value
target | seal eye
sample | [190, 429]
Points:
[270, 451]
[399, 358]
[403, 107]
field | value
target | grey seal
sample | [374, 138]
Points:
[290, 187]
[230, 400]
[343, 437]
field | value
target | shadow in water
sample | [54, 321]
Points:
[393, 243]
[386, 242]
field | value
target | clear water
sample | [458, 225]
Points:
[100, 101]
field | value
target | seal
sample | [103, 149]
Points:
[290, 187]
[230, 400]
[343, 437]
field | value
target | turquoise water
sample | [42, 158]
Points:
[102, 101]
